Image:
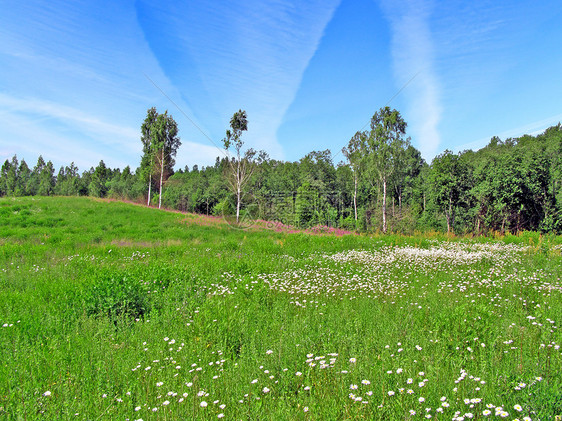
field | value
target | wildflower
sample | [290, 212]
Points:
[352, 360]
[203, 404]
[165, 403]
[390, 393]
[366, 382]
[269, 351]
[137, 409]
[221, 415]
[353, 387]
[47, 393]
[421, 399]
[518, 408]
[305, 409]
[265, 390]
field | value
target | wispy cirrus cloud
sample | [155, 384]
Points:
[533, 129]
[25, 117]
[72, 84]
[413, 55]
[105, 131]
[239, 54]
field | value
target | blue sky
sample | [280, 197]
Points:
[77, 77]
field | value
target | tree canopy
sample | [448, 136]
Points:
[383, 183]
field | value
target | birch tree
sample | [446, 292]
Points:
[241, 166]
[148, 130]
[160, 145]
[385, 143]
[354, 153]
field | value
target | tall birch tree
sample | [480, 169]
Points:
[240, 166]
[385, 143]
[160, 145]
[354, 153]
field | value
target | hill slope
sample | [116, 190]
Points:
[116, 311]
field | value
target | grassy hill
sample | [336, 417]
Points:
[112, 311]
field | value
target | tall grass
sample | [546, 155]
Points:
[116, 311]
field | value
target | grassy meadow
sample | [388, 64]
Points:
[113, 311]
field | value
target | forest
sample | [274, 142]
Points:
[378, 182]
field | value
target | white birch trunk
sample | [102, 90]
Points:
[384, 204]
[355, 200]
[161, 178]
[149, 190]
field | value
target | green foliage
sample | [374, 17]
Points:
[449, 184]
[159, 136]
[116, 295]
[509, 186]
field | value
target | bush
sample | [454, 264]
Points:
[117, 296]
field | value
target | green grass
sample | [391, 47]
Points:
[268, 325]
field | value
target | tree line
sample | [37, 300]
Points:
[381, 183]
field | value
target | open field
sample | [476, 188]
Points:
[115, 311]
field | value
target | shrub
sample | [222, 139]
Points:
[116, 296]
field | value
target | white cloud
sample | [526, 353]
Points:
[87, 123]
[413, 54]
[56, 146]
[195, 153]
[533, 129]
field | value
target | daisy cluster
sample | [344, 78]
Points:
[392, 271]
